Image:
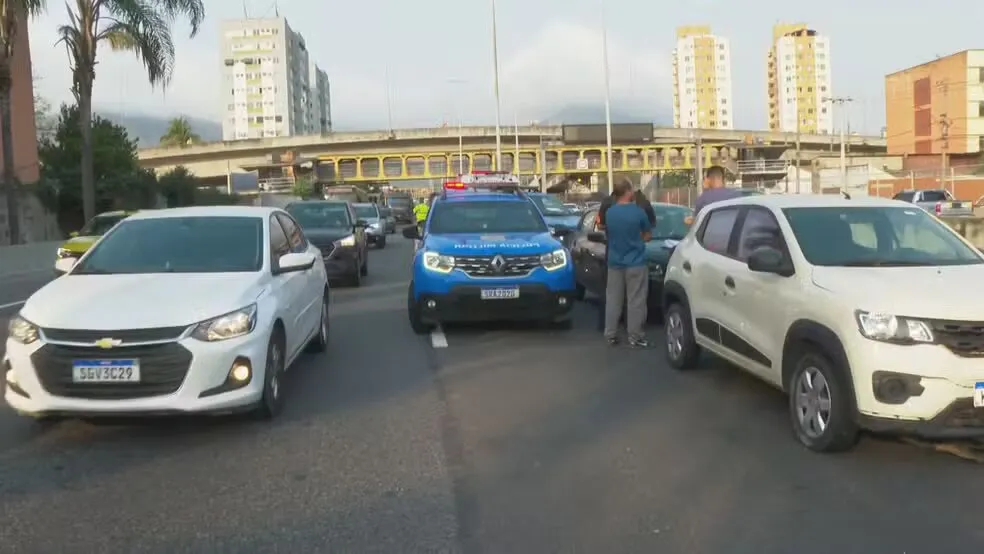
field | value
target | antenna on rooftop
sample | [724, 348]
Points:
[245, 10]
[276, 8]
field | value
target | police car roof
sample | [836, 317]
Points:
[474, 196]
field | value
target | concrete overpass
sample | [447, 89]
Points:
[432, 153]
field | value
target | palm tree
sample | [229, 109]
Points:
[13, 14]
[139, 26]
[179, 133]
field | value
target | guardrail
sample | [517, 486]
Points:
[25, 259]
[762, 166]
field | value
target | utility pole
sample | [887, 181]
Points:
[495, 78]
[700, 158]
[516, 131]
[608, 99]
[798, 132]
[944, 123]
[841, 101]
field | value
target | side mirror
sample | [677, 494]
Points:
[293, 262]
[560, 231]
[65, 265]
[767, 259]
[73, 234]
[688, 221]
[596, 236]
[411, 232]
[361, 223]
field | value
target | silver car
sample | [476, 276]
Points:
[389, 219]
[375, 225]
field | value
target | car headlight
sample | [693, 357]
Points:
[228, 326]
[438, 262]
[22, 330]
[554, 260]
[63, 253]
[346, 241]
[891, 328]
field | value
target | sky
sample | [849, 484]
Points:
[433, 58]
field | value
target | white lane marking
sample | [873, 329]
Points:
[438, 340]
[11, 304]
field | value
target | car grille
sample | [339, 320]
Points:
[156, 334]
[326, 248]
[481, 266]
[963, 414]
[163, 368]
[963, 338]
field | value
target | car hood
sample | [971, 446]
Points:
[567, 221]
[508, 243]
[79, 244]
[943, 292]
[327, 234]
[140, 301]
[659, 250]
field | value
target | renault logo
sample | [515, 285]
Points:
[108, 343]
[498, 263]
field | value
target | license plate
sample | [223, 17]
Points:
[956, 205]
[979, 395]
[106, 371]
[500, 293]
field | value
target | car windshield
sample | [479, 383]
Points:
[320, 215]
[550, 205]
[672, 222]
[101, 224]
[366, 211]
[198, 244]
[384, 212]
[399, 201]
[485, 217]
[866, 236]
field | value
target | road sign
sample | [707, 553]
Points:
[582, 163]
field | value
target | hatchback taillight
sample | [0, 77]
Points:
[939, 208]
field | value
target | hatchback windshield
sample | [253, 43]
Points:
[179, 245]
[101, 224]
[366, 211]
[672, 222]
[399, 201]
[320, 215]
[876, 236]
[550, 205]
[486, 217]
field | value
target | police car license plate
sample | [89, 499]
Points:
[106, 371]
[979, 395]
[501, 293]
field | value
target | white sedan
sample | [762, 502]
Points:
[174, 311]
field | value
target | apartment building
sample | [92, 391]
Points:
[937, 106]
[267, 80]
[702, 80]
[319, 101]
[799, 80]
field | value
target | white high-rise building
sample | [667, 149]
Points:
[319, 101]
[702, 80]
[267, 80]
[799, 80]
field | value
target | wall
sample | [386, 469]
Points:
[915, 100]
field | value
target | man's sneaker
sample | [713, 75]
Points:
[612, 341]
[640, 343]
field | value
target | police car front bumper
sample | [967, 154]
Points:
[464, 303]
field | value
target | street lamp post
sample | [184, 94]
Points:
[495, 77]
[461, 140]
[608, 100]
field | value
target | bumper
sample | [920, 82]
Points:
[938, 397]
[183, 377]
[463, 303]
[342, 262]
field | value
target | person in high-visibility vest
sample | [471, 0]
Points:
[420, 211]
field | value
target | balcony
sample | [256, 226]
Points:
[761, 167]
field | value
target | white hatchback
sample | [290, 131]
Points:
[174, 311]
[866, 312]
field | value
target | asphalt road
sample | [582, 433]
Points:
[505, 440]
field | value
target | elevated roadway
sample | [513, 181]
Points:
[427, 153]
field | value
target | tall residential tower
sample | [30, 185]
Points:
[799, 80]
[267, 77]
[701, 80]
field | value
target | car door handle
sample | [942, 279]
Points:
[729, 282]
[686, 266]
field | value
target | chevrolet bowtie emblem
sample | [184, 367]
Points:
[497, 263]
[108, 343]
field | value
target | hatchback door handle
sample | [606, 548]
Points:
[729, 282]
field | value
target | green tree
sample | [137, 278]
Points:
[303, 188]
[180, 133]
[676, 179]
[139, 26]
[114, 165]
[12, 16]
[179, 187]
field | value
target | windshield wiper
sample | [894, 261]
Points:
[883, 263]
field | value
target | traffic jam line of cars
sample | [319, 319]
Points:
[185, 310]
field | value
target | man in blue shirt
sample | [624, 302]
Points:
[628, 228]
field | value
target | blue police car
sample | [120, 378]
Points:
[487, 254]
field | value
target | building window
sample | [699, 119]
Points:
[980, 109]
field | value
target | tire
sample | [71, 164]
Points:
[272, 401]
[320, 341]
[413, 314]
[382, 243]
[579, 292]
[682, 351]
[817, 381]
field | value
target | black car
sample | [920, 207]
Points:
[333, 227]
[587, 245]
[401, 206]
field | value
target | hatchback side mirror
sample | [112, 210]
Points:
[767, 259]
